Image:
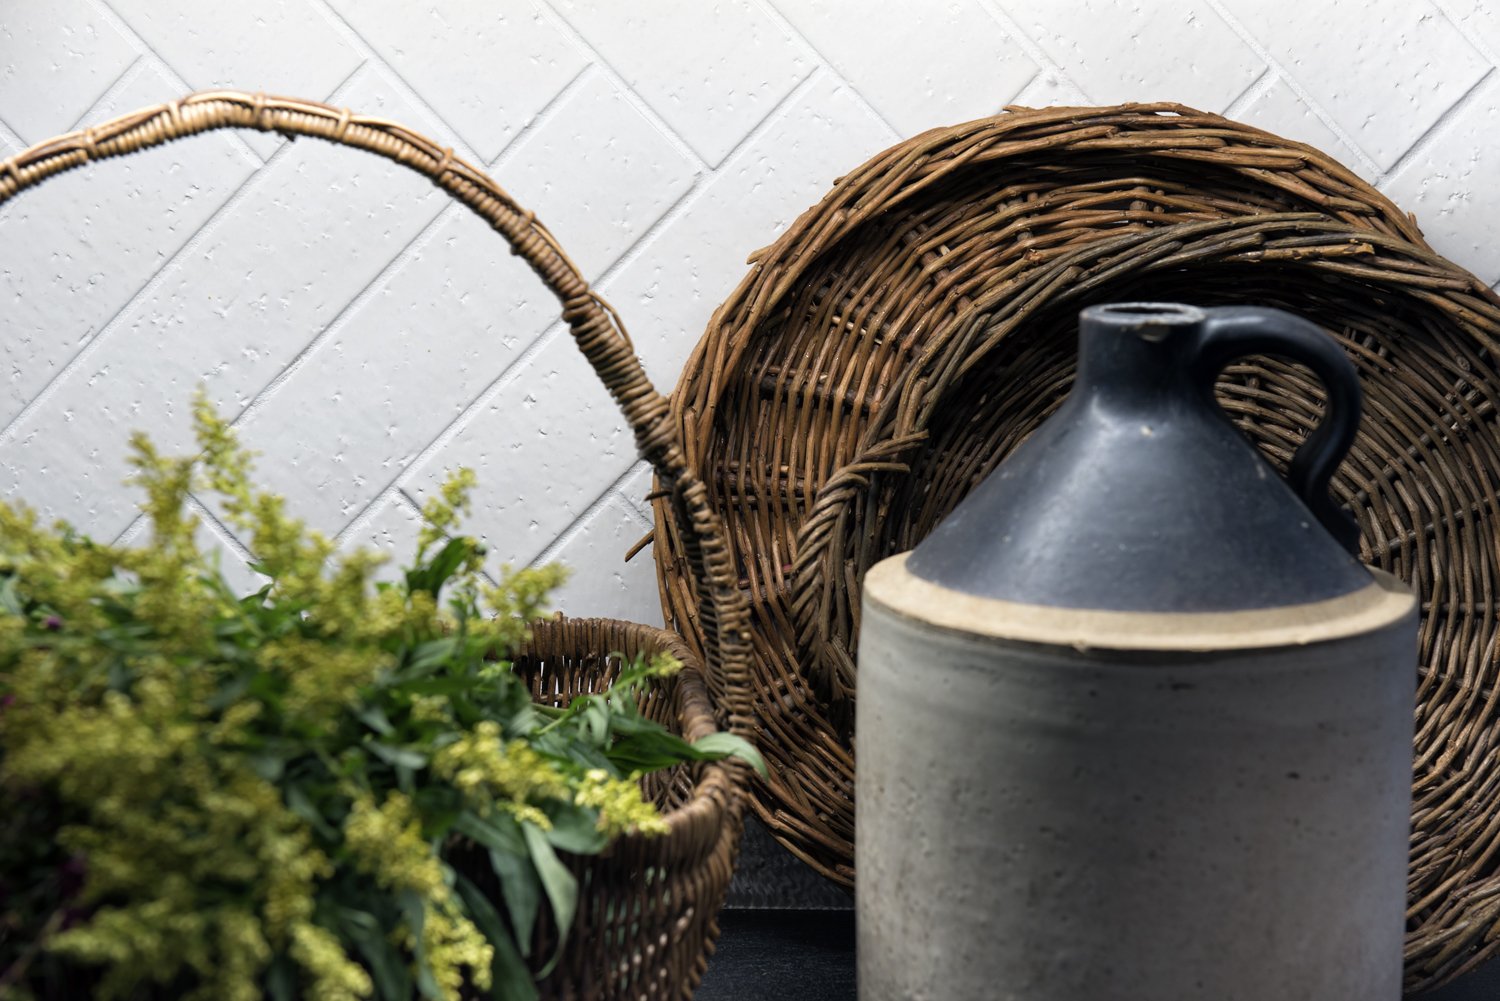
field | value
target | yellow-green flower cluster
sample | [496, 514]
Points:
[486, 769]
[511, 775]
[519, 599]
[452, 945]
[662, 665]
[197, 870]
[331, 975]
[386, 842]
[620, 804]
[165, 819]
[442, 512]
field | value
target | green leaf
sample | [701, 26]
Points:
[500, 833]
[511, 979]
[575, 829]
[596, 721]
[382, 958]
[414, 912]
[299, 803]
[636, 723]
[560, 884]
[374, 717]
[10, 598]
[565, 747]
[281, 980]
[438, 686]
[729, 745]
[521, 889]
[268, 766]
[398, 756]
[439, 806]
[435, 574]
[430, 654]
[650, 750]
[229, 693]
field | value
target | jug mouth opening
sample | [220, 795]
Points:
[1142, 317]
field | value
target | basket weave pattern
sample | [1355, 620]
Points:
[889, 350]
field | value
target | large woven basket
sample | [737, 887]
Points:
[646, 920]
[908, 331]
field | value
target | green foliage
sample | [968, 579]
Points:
[244, 796]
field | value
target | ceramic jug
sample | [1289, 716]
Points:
[1134, 723]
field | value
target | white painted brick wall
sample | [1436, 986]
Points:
[370, 337]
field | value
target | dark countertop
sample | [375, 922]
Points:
[782, 955]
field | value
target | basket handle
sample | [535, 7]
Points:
[595, 326]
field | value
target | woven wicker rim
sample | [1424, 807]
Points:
[695, 823]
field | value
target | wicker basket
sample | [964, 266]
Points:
[646, 920]
[649, 906]
[911, 329]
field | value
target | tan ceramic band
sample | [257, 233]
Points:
[1383, 603]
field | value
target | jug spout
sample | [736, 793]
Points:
[1135, 355]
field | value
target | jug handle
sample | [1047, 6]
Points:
[1233, 332]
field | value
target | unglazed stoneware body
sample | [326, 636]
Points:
[1041, 822]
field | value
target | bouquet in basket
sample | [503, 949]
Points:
[214, 796]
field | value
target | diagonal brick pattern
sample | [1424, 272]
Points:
[368, 337]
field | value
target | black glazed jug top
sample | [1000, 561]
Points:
[1139, 494]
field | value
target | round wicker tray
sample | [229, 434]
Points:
[908, 331]
[650, 903]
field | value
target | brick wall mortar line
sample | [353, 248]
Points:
[640, 104]
[213, 524]
[1480, 46]
[351, 308]
[1436, 130]
[1028, 45]
[454, 137]
[686, 200]
[1366, 164]
[402, 499]
[775, 14]
[127, 76]
[518, 366]
[549, 111]
[608, 495]
[9, 137]
[362, 520]
[107, 330]
[630, 503]
[1259, 87]
[132, 532]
